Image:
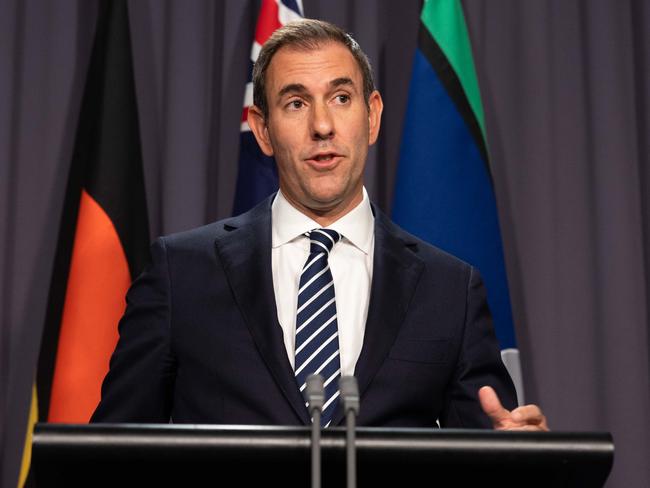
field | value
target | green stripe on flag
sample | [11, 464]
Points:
[445, 21]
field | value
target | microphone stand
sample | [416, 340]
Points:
[315, 392]
[350, 394]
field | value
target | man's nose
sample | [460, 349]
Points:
[322, 122]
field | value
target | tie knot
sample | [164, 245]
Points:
[323, 240]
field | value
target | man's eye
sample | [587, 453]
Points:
[295, 104]
[343, 98]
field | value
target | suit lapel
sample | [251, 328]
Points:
[245, 252]
[396, 271]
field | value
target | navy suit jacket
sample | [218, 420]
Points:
[200, 340]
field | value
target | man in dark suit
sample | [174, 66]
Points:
[212, 330]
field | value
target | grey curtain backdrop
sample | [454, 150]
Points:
[566, 90]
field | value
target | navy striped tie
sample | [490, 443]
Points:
[317, 333]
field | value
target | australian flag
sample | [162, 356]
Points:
[258, 175]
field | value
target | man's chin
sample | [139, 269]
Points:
[323, 205]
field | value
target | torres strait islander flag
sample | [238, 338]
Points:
[444, 192]
[104, 236]
[258, 175]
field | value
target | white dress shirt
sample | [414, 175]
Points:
[350, 262]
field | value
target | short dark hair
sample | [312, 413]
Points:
[307, 34]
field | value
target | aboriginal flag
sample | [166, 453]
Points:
[104, 236]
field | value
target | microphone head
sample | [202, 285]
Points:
[349, 393]
[315, 392]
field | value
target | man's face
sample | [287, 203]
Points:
[318, 127]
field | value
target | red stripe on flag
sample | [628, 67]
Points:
[267, 22]
[94, 301]
[244, 114]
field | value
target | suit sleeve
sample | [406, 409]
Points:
[479, 364]
[139, 385]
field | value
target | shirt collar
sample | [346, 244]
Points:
[288, 223]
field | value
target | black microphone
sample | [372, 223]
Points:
[350, 395]
[315, 392]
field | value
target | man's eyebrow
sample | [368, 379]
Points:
[292, 88]
[341, 81]
[300, 88]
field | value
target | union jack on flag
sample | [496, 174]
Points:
[258, 175]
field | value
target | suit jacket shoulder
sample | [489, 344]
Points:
[420, 248]
[445, 333]
[207, 234]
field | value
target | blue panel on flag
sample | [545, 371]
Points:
[258, 175]
[293, 5]
[443, 193]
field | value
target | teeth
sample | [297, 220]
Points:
[324, 158]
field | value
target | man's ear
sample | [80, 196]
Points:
[375, 108]
[257, 123]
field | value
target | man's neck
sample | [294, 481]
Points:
[327, 216]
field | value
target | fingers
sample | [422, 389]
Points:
[529, 415]
[526, 418]
[492, 406]
[527, 428]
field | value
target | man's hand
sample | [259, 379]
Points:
[528, 417]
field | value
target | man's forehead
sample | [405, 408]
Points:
[291, 64]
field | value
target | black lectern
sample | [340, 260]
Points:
[197, 455]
